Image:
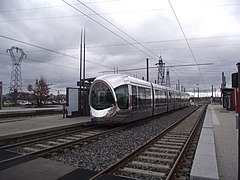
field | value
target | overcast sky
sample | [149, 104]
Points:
[209, 33]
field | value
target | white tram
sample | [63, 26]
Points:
[118, 99]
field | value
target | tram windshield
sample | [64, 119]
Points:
[101, 96]
[122, 96]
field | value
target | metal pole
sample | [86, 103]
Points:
[238, 65]
[80, 74]
[212, 95]
[147, 70]
[178, 85]
[198, 95]
[212, 91]
[84, 72]
[194, 94]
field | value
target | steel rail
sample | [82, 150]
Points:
[134, 153]
[9, 140]
[44, 138]
[184, 149]
[23, 158]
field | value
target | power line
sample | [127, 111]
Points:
[46, 49]
[75, 16]
[185, 37]
[118, 28]
[34, 60]
[107, 29]
[133, 51]
[49, 7]
[170, 66]
[94, 2]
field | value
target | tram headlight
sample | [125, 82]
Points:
[111, 111]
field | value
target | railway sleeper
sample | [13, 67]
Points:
[164, 160]
[168, 146]
[143, 172]
[72, 138]
[89, 134]
[43, 146]
[175, 137]
[173, 140]
[151, 165]
[171, 143]
[29, 149]
[54, 143]
[63, 140]
[182, 133]
[170, 155]
[81, 136]
[164, 149]
[178, 135]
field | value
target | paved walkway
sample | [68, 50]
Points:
[28, 124]
[226, 141]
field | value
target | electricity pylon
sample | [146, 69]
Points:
[16, 75]
[161, 71]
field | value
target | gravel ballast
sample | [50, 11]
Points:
[102, 153]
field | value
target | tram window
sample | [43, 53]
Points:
[101, 96]
[134, 97]
[148, 96]
[122, 96]
[142, 96]
[160, 97]
[163, 97]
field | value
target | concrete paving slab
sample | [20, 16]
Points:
[205, 168]
[26, 125]
[207, 149]
[208, 119]
[226, 140]
[225, 136]
[205, 162]
[37, 169]
[206, 139]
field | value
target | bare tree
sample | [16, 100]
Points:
[40, 90]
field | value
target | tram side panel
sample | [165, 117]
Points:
[141, 102]
[160, 101]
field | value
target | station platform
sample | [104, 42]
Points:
[216, 155]
[29, 111]
[22, 126]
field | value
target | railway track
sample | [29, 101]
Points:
[31, 149]
[161, 157]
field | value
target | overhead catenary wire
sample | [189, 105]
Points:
[99, 15]
[48, 7]
[177, 65]
[34, 60]
[112, 32]
[185, 37]
[105, 1]
[108, 29]
[46, 49]
[76, 16]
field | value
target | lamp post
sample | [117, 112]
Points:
[238, 65]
